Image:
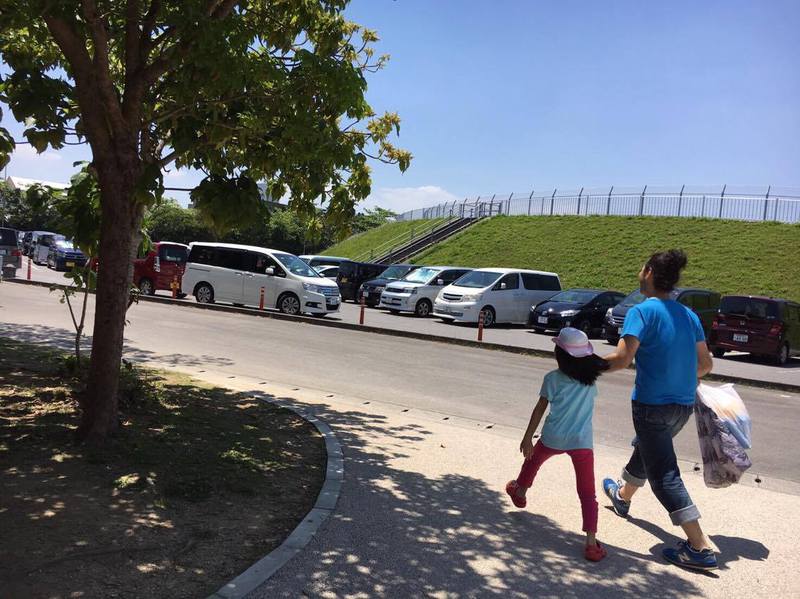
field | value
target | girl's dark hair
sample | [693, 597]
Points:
[666, 268]
[584, 370]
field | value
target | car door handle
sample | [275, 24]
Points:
[238, 274]
[249, 274]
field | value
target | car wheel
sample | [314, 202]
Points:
[585, 326]
[489, 317]
[783, 355]
[289, 304]
[204, 293]
[538, 330]
[718, 353]
[423, 308]
[146, 286]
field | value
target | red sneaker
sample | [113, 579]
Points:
[511, 488]
[594, 553]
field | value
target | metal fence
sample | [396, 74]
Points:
[771, 204]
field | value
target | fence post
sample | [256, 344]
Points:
[552, 200]
[680, 199]
[766, 202]
[641, 201]
[580, 193]
[722, 199]
[530, 199]
[508, 207]
[608, 202]
[703, 207]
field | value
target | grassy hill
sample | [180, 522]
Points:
[362, 243]
[608, 251]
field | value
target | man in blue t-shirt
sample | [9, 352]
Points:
[668, 342]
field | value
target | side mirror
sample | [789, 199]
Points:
[440, 282]
[503, 286]
[270, 272]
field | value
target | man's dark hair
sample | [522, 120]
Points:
[584, 370]
[666, 268]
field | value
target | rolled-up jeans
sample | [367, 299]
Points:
[654, 458]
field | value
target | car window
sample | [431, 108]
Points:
[296, 266]
[229, 258]
[8, 237]
[701, 301]
[258, 263]
[448, 276]
[203, 254]
[172, 253]
[511, 281]
[751, 307]
[687, 299]
[536, 282]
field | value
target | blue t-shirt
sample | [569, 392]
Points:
[666, 362]
[569, 423]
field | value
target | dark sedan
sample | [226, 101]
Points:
[582, 309]
[64, 256]
[372, 289]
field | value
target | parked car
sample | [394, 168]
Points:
[329, 272]
[502, 294]
[417, 291]
[64, 255]
[353, 274]
[583, 309]
[160, 267]
[9, 247]
[313, 260]
[372, 289]
[41, 246]
[30, 240]
[702, 302]
[762, 326]
[236, 274]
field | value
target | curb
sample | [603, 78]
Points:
[512, 349]
[267, 566]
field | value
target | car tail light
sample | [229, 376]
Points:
[776, 330]
[157, 264]
[715, 323]
[16, 253]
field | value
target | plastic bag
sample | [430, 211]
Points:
[724, 457]
[729, 407]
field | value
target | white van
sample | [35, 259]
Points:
[503, 294]
[226, 272]
[417, 291]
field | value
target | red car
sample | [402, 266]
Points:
[762, 326]
[161, 266]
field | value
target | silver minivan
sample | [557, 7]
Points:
[417, 291]
[236, 274]
[502, 294]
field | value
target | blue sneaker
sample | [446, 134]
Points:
[611, 488]
[686, 556]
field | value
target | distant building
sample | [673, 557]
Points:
[22, 183]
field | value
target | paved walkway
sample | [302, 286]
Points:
[423, 513]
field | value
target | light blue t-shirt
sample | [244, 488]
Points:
[666, 362]
[569, 423]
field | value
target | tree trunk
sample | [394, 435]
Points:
[121, 218]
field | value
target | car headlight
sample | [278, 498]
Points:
[569, 312]
[311, 287]
[471, 297]
[410, 290]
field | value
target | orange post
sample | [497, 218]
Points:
[480, 325]
[261, 300]
[361, 316]
[174, 285]
[29, 268]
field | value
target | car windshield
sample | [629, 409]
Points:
[296, 266]
[574, 297]
[478, 279]
[750, 307]
[637, 297]
[393, 273]
[63, 244]
[422, 275]
[8, 237]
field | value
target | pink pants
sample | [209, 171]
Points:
[583, 462]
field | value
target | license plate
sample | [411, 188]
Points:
[366, 294]
[741, 338]
[2, 252]
[334, 301]
[70, 264]
[542, 320]
[344, 279]
[619, 330]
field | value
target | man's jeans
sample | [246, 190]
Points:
[654, 457]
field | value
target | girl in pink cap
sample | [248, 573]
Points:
[569, 391]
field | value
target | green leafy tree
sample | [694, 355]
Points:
[245, 91]
[170, 222]
[371, 218]
[30, 210]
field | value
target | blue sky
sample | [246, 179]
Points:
[509, 96]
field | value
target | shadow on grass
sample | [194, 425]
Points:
[398, 533]
[199, 483]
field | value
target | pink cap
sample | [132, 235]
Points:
[574, 342]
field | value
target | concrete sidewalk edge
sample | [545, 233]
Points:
[538, 353]
[301, 536]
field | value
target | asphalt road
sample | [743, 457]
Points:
[740, 365]
[483, 385]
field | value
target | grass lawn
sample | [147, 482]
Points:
[200, 483]
[588, 251]
[380, 237]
